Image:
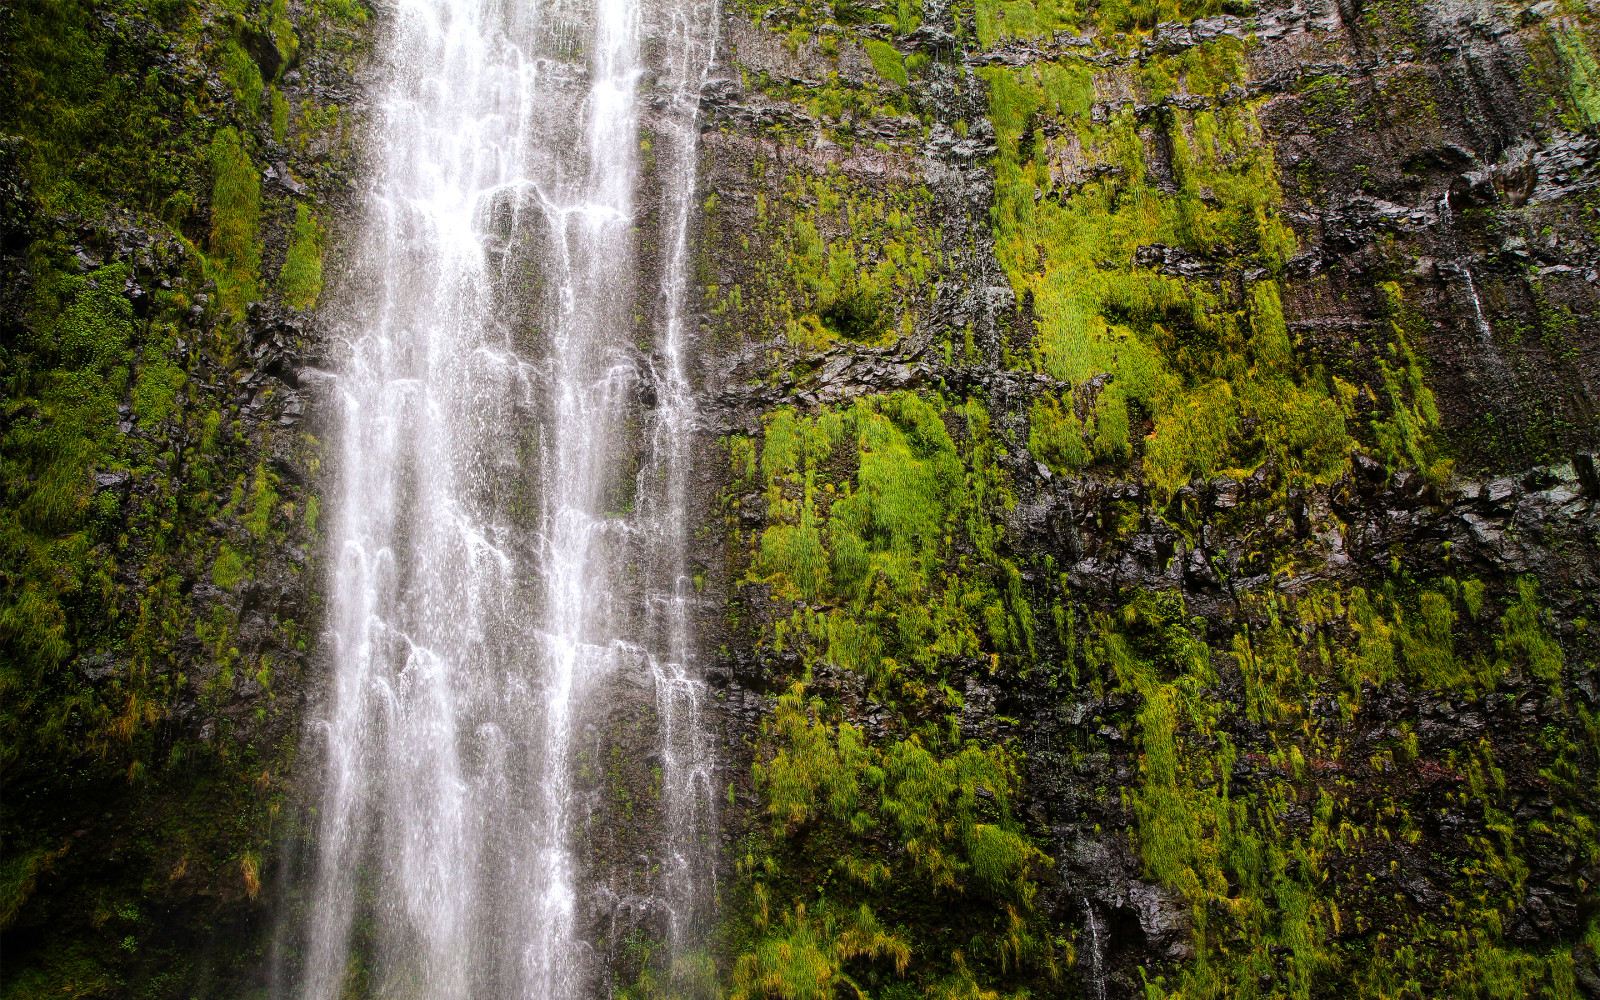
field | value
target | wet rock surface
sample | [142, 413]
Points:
[1414, 149]
[149, 751]
[1476, 214]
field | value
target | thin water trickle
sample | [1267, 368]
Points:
[1095, 925]
[474, 602]
[1480, 322]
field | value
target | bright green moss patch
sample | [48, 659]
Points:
[838, 260]
[1581, 73]
[888, 62]
[241, 74]
[155, 389]
[888, 530]
[1055, 435]
[952, 837]
[262, 503]
[228, 569]
[280, 116]
[886, 514]
[235, 213]
[882, 545]
[301, 278]
[944, 805]
[1275, 899]
[1024, 20]
[282, 31]
[1217, 383]
[997, 21]
[51, 450]
[1407, 434]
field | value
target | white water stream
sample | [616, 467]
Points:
[1095, 927]
[477, 606]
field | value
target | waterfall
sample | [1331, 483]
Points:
[687, 752]
[477, 605]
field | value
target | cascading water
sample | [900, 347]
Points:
[687, 752]
[476, 608]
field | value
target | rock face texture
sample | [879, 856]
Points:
[1158, 531]
[1145, 527]
[169, 178]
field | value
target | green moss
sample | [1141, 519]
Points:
[946, 812]
[241, 74]
[235, 214]
[894, 502]
[1119, 21]
[1406, 435]
[55, 448]
[301, 278]
[886, 60]
[805, 957]
[19, 876]
[155, 391]
[1274, 901]
[228, 569]
[841, 261]
[1222, 385]
[263, 501]
[282, 30]
[107, 469]
[888, 530]
[1055, 435]
[997, 20]
[880, 546]
[280, 116]
[1582, 74]
[793, 559]
[97, 125]
[1525, 643]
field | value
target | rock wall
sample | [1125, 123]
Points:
[1145, 517]
[170, 176]
[1157, 501]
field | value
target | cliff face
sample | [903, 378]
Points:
[170, 175]
[1158, 526]
[1145, 522]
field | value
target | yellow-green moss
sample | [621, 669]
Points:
[301, 277]
[1071, 212]
[1270, 898]
[945, 810]
[280, 116]
[228, 569]
[887, 61]
[241, 74]
[1055, 435]
[1120, 22]
[880, 545]
[235, 214]
[1582, 73]
[886, 514]
[840, 261]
